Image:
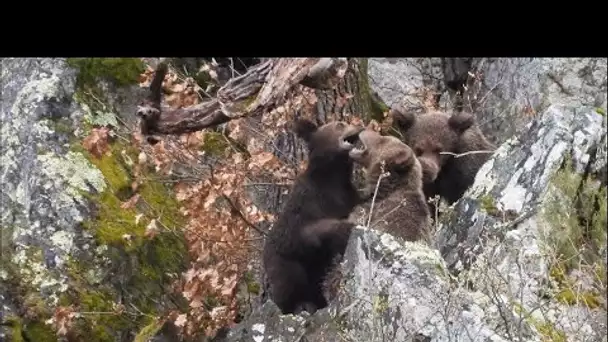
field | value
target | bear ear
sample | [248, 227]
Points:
[404, 120]
[461, 122]
[304, 128]
[402, 161]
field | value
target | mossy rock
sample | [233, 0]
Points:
[23, 330]
[252, 285]
[586, 298]
[547, 329]
[488, 204]
[149, 331]
[120, 71]
[141, 268]
[218, 145]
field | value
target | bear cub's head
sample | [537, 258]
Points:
[332, 139]
[431, 133]
[399, 159]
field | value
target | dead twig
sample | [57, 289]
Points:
[242, 217]
[459, 155]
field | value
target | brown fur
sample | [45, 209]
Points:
[431, 133]
[312, 228]
[400, 208]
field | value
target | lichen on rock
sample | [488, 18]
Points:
[513, 252]
[54, 250]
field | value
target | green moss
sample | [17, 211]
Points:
[371, 102]
[252, 285]
[117, 71]
[16, 333]
[142, 265]
[149, 331]
[600, 111]
[587, 298]
[445, 215]
[558, 273]
[39, 331]
[380, 303]
[215, 144]
[203, 79]
[365, 93]
[120, 71]
[547, 329]
[35, 304]
[577, 218]
[32, 331]
[20, 286]
[488, 204]
[378, 107]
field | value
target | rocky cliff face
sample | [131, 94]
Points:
[498, 269]
[64, 241]
[519, 257]
[508, 287]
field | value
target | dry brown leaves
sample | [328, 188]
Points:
[97, 142]
[429, 99]
[218, 231]
[145, 79]
[180, 92]
[220, 216]
[62, 319]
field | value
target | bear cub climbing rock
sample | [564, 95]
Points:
[312, 229]
[400, 207]
[431, 133]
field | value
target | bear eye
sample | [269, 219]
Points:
[418, 151]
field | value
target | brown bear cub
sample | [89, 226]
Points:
[431, 133]
[312, 229]
[400, 207]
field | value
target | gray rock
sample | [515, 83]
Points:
[41, 179]
[403, 291]
[497, 234]
[392, 291]
[44, 209]
[401, 81]
[516, 177]
[512, 90]
[505, 93]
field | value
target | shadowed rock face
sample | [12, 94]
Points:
[403, 291]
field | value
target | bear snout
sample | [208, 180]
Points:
[430, 170]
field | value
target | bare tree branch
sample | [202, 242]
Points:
[456, 155]
[262, 88]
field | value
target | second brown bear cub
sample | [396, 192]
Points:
[431, 133]
[312, 229]
[400, 208]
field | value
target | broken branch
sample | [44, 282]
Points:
[262, 88]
